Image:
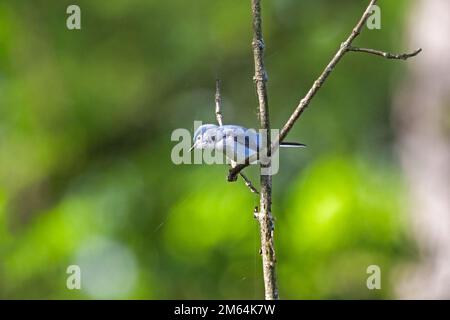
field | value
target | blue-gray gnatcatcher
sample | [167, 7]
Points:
[236, 142]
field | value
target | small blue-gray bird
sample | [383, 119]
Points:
[236, 142]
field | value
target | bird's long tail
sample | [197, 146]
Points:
[292, 145]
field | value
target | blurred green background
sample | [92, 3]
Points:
[85, 171]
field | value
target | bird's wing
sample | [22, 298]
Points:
[244, 136]
[235, 151]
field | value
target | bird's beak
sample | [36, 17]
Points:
[193, 147]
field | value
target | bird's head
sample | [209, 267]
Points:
[204, 137]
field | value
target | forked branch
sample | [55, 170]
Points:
[345, 47]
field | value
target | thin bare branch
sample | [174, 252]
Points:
[304, 103]
[248, 183]
[266, 223]
[387, 55]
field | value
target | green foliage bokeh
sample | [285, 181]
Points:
[85, 171]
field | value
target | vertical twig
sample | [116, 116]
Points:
[264, 216]
[218, 104]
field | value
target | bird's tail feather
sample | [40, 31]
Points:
[292, 145]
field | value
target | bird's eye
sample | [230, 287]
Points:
[213, 138]
[198, 138]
